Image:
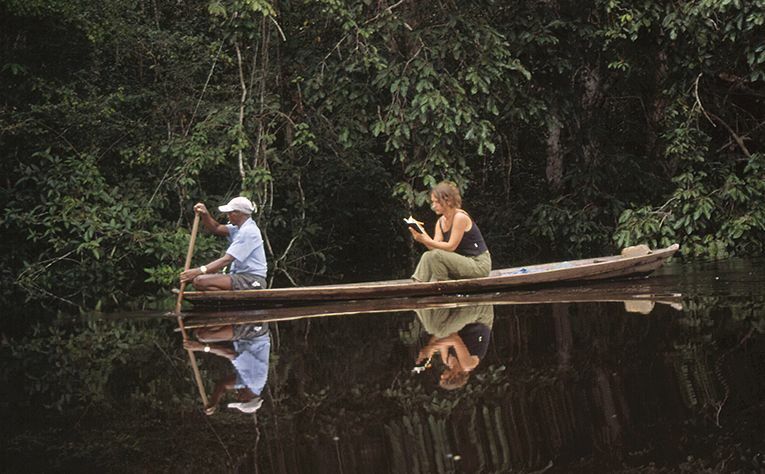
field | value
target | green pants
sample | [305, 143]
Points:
[439, 265]
[441, 322]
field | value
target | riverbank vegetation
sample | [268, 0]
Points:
[572, 128]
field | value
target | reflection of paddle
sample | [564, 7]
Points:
[192, 357]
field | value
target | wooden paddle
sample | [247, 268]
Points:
[192, 357]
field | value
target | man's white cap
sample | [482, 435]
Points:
[239, 204]
[248, 407]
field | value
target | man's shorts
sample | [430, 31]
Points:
[249, 331]
[247, 281]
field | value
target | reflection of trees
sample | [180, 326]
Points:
[69, 365]
[515, 420]
[696, 378]
[561, 383]
[703, 362]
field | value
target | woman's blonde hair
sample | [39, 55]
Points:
[447, 193]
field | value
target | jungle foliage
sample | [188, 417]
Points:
[573, 128]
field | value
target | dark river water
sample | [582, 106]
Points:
[664, 374]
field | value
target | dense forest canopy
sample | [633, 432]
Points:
[573, 128]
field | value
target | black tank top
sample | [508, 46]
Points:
[472, 243]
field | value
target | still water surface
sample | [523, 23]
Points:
[671, 383]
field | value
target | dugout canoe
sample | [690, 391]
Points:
[631, 264]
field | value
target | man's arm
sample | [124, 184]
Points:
[213, 267]
[209, 222]
[221, 351]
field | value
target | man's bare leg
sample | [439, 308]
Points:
[215, 333]
[216, 282]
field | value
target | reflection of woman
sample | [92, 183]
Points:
[249, 351]
[460, 336]
[457, 249]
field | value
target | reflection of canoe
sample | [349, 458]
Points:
[617, 266]
[631, 296]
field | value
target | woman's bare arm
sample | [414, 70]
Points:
[459, 226]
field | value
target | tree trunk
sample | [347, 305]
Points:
[554, 169]
[564, 339]
[657, 107]
[592, 99]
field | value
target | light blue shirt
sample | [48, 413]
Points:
[246, 246]
[251, 362]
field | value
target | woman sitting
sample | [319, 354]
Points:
[460, 335]
[457, 250]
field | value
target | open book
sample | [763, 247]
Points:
[415, 224]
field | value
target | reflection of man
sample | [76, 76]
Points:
[248, 347]
[245, 253]
[460, 336]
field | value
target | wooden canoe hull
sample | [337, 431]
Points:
[616, 266]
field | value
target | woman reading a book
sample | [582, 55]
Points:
[460, 336]
[457, 250]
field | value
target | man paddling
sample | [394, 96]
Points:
[245, 254]
[248, 348]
